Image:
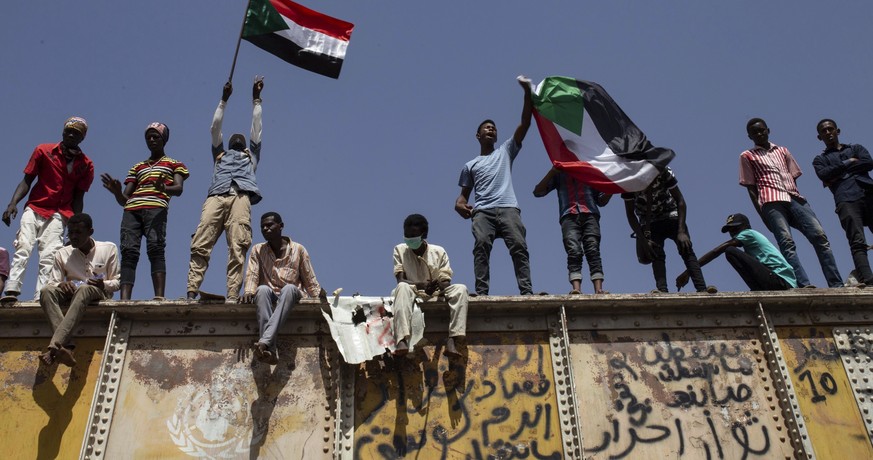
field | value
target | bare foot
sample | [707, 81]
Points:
[65, 356]
[451, 349]
[48, 358]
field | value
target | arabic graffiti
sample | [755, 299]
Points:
[691, 393]
[499, 402]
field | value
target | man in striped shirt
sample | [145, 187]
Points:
[146, 199]
[279, 275]
[769, 173]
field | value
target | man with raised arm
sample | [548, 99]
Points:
[228, 208]
[769, 173]
[423, 272]
[845, 169]
[82, 273]
[146, 201]
[279, 274]
[496, 213]
[63, 174]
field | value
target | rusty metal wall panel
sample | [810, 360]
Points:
[498, 403]
[695, 393]
[855, 346]
[45, 409]
[206, 397]
[824, 393]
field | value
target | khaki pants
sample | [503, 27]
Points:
[51, 298]
[404, 300]
[231, 214]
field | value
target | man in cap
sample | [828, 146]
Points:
[146, 200]
[845, 169]
[64, 174]
[760, 264]
[228, 207]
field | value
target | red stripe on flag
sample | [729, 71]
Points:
[314, 20]
[565, 160]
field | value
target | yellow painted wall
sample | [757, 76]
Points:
[499, 403]
[45, 409]
[822, 388]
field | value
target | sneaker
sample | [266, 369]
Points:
[575, 292]
[711, 289]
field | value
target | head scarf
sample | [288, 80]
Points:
[161, 128]
[77, 123]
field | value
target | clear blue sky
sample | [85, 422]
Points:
[344, 161]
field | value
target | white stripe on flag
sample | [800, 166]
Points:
[590, 147]
[313, 41]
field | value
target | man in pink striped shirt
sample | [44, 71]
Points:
[279, 275]
[769, 173]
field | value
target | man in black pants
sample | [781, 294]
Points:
[844, 169]
[760, 264]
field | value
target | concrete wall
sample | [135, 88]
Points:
[733, 376]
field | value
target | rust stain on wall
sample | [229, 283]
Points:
[210, 399]
[692, 393]
[45, 409]
[500, 402]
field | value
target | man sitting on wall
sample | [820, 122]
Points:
[83, 272]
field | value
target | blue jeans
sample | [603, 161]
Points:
[505, 223]
[151, 224]
[273, 311]
[581, 234]
[780, 216]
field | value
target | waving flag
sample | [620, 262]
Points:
[588, 136]
[298, 35]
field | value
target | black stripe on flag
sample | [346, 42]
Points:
[291, 53]
[617, 129]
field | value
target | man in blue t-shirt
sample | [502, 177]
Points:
[760, 264]
[496, 213]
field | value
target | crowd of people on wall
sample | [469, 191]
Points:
[280, 272]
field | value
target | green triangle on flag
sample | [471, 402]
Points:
[262, 18]
[560, 100]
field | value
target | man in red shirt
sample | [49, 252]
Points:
[65, 173]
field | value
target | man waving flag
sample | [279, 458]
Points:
[588, 136]
[298, 35]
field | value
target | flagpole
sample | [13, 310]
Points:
[239, 39]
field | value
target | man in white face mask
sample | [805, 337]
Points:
[423, 271]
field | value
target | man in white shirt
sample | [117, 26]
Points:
[83, 272]
[421, 270]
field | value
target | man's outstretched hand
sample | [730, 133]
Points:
[257, 87]
[226, 91]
